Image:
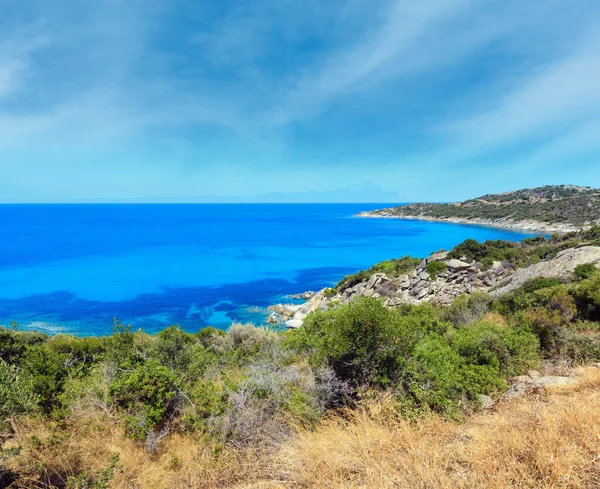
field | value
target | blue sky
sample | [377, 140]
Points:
[381, 100]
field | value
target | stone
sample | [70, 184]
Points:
[486, 401]
[438, 256]
[455, 264]
[374, 280]
[307, 295]
[293, 323]
[272, 319]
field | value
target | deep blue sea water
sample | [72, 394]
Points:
[73, 268]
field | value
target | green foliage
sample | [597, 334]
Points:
[587, 270]
[582, 348]
[14, 343]
[392, 268]
[434, 268]
[439, 378]
[468, 308]
[431, 364]
[207, 336]
[16, 392]
[171, 347]
[148, 395]
[527, 295]
[47, 371]
[587, 297]
[357, 340]
[515, 254]
[507, 350]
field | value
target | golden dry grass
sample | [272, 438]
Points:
[550, 440]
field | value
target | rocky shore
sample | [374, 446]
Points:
[454, 278]
[510, 224]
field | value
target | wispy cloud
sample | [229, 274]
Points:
[174, 91]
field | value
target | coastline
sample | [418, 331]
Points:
[507, 224]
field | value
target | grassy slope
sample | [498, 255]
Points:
[578, 206]
[546, 441]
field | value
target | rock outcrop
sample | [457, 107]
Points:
[562, 267]
[456, 278]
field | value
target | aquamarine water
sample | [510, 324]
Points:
[73, 268]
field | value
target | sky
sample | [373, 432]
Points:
[352, 100]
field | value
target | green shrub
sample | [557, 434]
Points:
[508, 350]
[171, 347]
[587, 297]
[434, 268]
[207, 336]
[582, 348]
[587, 270]
[440, 379]
[356, 340]
[468, 308]
[527, 296]
[47, 372]
[415, 350]
[16, 392]
[149, 397]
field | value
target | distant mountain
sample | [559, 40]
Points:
[548, 209]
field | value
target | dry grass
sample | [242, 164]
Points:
[86, 446]
[550, 440]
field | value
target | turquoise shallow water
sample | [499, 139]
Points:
[72, 268]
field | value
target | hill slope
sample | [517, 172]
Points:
[554, 208]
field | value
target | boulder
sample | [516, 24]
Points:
[437, 256]
[293, 323]
[486, 401]
[562, 267]
[455, 264]
[272, 319]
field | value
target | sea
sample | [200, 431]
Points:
[73, 269]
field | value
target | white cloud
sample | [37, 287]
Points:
[554, 96]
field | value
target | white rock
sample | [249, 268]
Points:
[455, 264]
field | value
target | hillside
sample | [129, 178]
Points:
[493, 267]
[555, 208]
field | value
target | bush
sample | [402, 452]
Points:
[46, 370]
[509, 351]
[587, 297]
[149, 395]
[434, 268]
[468, 308]
[582, 348]
[440, 379]
[587, 270]
[171, 348]
[359, 341]
[16, 392]
[415, 351]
